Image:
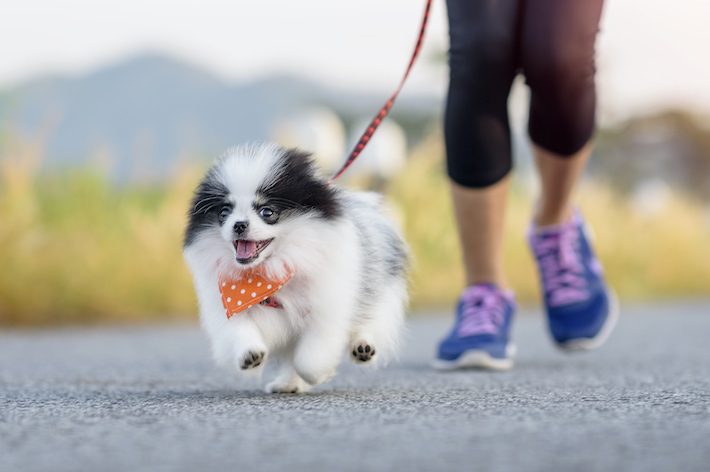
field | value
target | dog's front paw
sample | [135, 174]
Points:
[362, 352]
[252, 359]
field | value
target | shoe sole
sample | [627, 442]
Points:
[477, 359]
[587, 344]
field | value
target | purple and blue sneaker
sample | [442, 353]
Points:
[481, 336]
[581, 309]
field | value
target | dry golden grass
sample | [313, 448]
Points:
[76, 249]
[645, 257]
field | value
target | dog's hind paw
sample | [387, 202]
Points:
[362, 352]
[252, 359]
[295, 386]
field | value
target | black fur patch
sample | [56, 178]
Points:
[297, 189]
[209, 198]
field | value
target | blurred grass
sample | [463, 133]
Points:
[75, 248]
[646, 257]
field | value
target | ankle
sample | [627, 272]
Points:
[499, 281]
[552, 218]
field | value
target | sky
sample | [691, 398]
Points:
[652, 54]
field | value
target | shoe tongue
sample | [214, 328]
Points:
[476, 293]
[479, 288]
[556, 230]
[245, 249]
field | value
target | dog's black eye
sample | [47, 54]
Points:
[224, 213]
[268, 214]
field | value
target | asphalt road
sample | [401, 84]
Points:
[150, 399]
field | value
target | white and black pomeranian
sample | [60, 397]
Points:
[265, 210]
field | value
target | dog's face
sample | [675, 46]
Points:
[255, 199]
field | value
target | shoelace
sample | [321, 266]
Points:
[483, 311]
[561, 266]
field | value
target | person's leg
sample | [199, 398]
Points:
[558, 61]
[559, 177]
[483, 65]
[557, 55]
[480, 215]
[476, 130]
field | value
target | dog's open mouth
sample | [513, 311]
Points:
[248, 250]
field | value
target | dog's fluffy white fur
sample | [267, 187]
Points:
[267, 207]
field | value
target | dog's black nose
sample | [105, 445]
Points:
[240, 226]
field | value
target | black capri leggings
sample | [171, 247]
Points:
[552, 43]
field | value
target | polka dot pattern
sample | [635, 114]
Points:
[238, 295]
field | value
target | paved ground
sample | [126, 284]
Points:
[149, 399]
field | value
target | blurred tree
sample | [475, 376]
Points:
[672, 146]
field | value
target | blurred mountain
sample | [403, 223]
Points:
[141, 117]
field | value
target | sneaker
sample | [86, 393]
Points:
[581, 309]
[480, 337]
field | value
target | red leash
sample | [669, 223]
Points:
[386, 108]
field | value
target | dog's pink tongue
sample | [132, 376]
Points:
[245, 249]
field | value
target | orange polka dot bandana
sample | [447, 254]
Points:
[252, 289]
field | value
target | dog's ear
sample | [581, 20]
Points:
[209, 199]
[298, 185]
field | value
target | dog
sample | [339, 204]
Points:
[263, 212]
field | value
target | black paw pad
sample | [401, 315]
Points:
[252, 359]
[363, 352]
